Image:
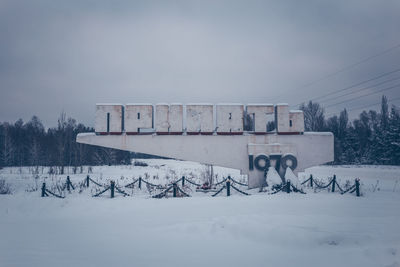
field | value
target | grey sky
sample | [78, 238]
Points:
[68, 55]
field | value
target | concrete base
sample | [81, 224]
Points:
[230, 151]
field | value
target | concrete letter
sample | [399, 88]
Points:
[138, 118]
[282, 116]
[261, 115]
[169, 118]
[296, 121]
[108, 118]
[199, 119]
[230, 118]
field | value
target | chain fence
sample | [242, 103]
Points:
[228, 184]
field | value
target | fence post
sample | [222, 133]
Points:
[68, 184]
[183, 181]
[140, 183]
[288, 186]
[357, 187]
[112, 185]
[311, 181]
[228, 186]
[43, 189]
[174, 190]
[87, 180]
[333, 183]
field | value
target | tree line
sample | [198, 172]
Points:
[30, 144]
[372, 138]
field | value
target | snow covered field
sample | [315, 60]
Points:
[316, 229]
[158, 171]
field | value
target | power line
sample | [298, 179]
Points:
[356, 84]
[365, 106]
[362, 89]
[390, 100]
[358, 97]
[352, 66]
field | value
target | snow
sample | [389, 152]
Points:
[260, 104]
[384, 178]
[158, 171]
[229, 104]
[109, 104]
[200, 104]
[316, 229]
[289, 175]
[318, 133]
[86, 134]
[273, 177]
[139, 104]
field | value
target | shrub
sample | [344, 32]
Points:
[4, 187]
[140, 163]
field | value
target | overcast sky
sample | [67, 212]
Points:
[68, 55]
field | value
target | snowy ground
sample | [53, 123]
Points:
[316, 229]
[158, 171]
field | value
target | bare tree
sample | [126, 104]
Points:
[8, 148]
[35, 153]
[61, 140]
[314, 119]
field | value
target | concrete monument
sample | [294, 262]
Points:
[214, 134]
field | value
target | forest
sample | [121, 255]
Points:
[30, 144]
[372, 138]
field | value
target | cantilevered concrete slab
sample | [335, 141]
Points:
[233, 151]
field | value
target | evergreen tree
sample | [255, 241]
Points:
[393, 136]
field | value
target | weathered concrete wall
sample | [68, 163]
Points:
[161, 118]
[230, 151]
[261, 114]
[176, 124]
[169, 119]
[199, 118]
[289, 121]
[138, 117]
[282, 116]
[115, 115]
[230, 118]
[296, 119]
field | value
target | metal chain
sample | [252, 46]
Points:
[240, 191]
[223, 181]
[121, 191]
[349, 189]
[295, 189]
[184, 193]
[149, 183]
[236, 182]
[219, 191]
[306, 181]
[54, 194]
[277, 190]
[131, 184]
[163, 193]
[96, 183]
[101, 192]
[190, 182]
